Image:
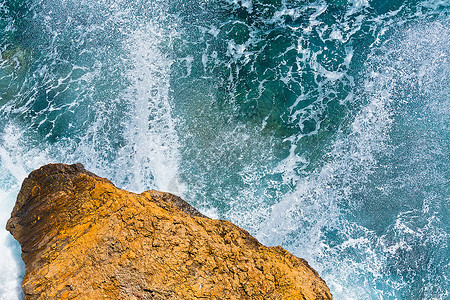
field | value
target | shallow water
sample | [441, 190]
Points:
[321, 126]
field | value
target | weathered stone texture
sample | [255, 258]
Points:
[84, 238]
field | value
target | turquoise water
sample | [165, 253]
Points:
[321, 126]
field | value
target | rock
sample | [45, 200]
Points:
[84, 238]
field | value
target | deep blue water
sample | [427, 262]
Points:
[320, 126]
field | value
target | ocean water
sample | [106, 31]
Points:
[320, 126]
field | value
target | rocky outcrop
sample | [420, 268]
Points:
[84, 238]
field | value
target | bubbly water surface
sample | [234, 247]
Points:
[321, 126]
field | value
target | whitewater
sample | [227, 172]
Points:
[321, 125]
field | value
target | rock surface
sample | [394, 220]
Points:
[84, 238]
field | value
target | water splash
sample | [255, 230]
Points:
[322, 127]
[96, 92]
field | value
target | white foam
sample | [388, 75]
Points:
[149, 157]
[11, 267]
[318, 202]
[153, 148]
[247, 4]
[15, 161]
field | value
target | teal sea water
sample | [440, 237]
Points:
[320, 126]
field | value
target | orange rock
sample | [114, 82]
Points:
[84, 238]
